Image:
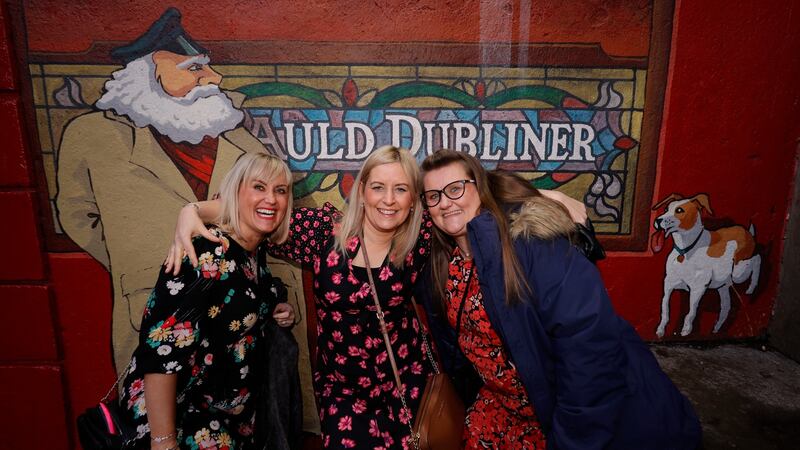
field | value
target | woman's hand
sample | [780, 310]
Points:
[284, 315]
[576, 209]
[189, 225]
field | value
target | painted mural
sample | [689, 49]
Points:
[125, 144]
[702, 259]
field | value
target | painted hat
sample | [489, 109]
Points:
[166, 33]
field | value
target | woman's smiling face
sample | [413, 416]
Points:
[452, 216]
[387, 198]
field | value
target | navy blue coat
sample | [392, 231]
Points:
[593, 382]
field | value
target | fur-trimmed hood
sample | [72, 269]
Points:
[542, 218]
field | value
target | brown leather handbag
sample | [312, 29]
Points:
[439, 423]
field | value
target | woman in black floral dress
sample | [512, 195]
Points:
[193, 379]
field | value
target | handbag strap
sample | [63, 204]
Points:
[116, 383]
[461, 312]
[388, 342]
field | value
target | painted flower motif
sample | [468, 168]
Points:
[209, 358]
[244, 371]
[345, 423]
[210, 270]
[164, 350]
[333, 258]
[332, 297]
[174, 287]
[183, 333]
[136, 387]
[213, 311]
[352, 243]
[225, 440]
[336, 278]
[374, 431]
[385, 273]
[235, 325]
[249, 320]
[172, 366]
[405, 415]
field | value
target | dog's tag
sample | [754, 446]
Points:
[680, 258]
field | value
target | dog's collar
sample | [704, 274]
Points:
[685, 250]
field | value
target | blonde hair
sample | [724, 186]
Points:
[248, 167]
[352, 224]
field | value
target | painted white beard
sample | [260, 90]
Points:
[134, 92]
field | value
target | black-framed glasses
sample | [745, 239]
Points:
[453, 191]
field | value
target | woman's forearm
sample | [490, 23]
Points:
[207, 210]
[160, 400]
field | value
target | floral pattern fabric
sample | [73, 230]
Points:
[204, 326]
[501, 416]
[359, 405]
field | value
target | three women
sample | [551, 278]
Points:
[509, 291]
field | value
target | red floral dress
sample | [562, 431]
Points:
[359, 406]
[502, 416]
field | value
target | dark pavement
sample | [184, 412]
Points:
[747, 396]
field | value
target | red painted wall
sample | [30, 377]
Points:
[31, 371]
[729, 129]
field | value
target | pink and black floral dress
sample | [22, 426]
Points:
[359, 406]
[204, 325]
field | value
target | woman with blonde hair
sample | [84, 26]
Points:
[194, 379]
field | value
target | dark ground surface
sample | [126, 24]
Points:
[747, 396]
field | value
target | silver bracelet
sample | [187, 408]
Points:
[159, 439]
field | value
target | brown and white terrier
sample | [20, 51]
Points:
[702, 259]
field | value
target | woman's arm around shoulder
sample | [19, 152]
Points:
[309, 230]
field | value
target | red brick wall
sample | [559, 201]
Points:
[31, 367]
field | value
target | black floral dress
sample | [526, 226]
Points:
[359, 406]
[205, 326]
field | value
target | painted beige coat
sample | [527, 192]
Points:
[118, 198]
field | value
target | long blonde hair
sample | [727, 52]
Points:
[352, 223]
[248, 167]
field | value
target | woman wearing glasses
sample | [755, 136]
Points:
[530, 314]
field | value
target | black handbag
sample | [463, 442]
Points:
[103, 426]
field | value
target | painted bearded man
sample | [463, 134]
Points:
[164, 136]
